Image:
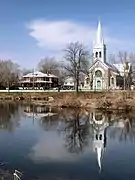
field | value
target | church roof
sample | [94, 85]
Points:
[111, 67]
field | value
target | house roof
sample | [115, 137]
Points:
[38, 74]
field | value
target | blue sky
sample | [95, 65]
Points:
[33, 29]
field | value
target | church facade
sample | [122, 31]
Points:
[103, 75]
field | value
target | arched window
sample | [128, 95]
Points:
[87, 81]
[112, 80]
[98, 73]
[100, 137]
[98, 116]
[100, 54]
[96, 54]
[96, 137]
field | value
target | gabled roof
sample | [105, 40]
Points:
[107, 65]
[38, 74]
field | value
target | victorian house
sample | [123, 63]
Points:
[103, 75]
[39, 80]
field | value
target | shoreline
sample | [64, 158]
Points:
[111, 100]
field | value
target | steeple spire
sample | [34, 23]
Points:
[99, 38]
[99, 157]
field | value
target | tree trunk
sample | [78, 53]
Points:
[77, 82]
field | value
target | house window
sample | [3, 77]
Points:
[96, 54]
[98, 73]
[100, 54]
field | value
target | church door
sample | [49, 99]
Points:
[99, 85]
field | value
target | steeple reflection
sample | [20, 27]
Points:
[99, 123]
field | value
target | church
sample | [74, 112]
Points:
[102, 75]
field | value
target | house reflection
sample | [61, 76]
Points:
[38, 111]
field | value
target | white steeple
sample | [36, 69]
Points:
[99, 157]
[99, 48]
[99, 38]
[98, 120]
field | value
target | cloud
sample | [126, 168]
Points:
[50, 148]
[55, 35]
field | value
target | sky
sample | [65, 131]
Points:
[33, 29]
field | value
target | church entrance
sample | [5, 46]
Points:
[98, 85]
[98, 76]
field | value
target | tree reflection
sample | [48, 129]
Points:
[77, 133]
[128, 132]
[9, 116]
[123, 127]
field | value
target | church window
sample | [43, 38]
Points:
[98, 73]
[96, 136]
[96, 54]
[112, 79]
[87, 81]
[100, 137]
[100, 54]
[98, 116]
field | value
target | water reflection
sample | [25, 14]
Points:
[37, 111]
[9, 116]
[73, 132]
[99, 124]
[76, 133]
[66, 139]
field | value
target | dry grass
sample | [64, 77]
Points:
[102, 100]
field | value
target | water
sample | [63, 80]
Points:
[67, 144]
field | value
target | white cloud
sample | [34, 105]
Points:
[50, 147]
[55, 35]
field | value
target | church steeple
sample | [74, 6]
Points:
[99, 38]
[99, 48]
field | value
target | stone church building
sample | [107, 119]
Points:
[103, 75]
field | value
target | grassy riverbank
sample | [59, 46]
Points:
[116, 100]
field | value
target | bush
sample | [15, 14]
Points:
[13, 88]
[2, 88]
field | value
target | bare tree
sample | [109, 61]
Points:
[76, 57]
[124, 58]
[26, 71]
[49, 65]
[9, 73]
[52, 66]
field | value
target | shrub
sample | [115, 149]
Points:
[2, 88]
[13, 88]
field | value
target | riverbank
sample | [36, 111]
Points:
[115, 100]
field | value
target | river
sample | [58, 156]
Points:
[67, 144]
